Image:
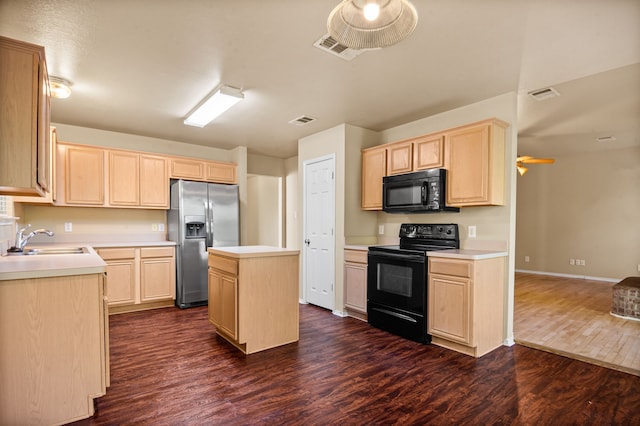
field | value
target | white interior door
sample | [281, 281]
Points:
[319, 238]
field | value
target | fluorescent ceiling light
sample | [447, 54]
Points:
[214, 105]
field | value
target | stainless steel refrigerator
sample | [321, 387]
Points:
[202, 215]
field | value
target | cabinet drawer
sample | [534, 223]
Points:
[156, 252]
[458, 268]
[224, 264]
[117, 253]
[356, 256]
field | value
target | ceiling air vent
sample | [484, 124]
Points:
[543, 94]
[302, 120]
[604, 139]
[328, 44]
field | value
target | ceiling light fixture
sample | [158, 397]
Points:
[60, 88]
[213, 106]
[372, 24]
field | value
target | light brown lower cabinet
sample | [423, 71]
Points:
[54, 349]
[355, 283]
[253, 301]
[466, 304]
[139, 277]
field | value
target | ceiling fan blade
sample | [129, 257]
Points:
[539, 161]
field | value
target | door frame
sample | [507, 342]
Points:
[303, 268]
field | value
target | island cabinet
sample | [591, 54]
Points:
[355, 282]
[253, 296]
[139, 277]
[466, 303]
[474, 158]
[54, 348]
[25, 148]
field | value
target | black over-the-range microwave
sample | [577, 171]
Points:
[424, 191]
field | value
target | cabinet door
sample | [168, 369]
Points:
[24, 118]
[154, 182]
[220, 172]
[124, 178]
[121, 275]
[449, 308]
[428, 152]
[157, 274]
[84, 175]
[223, 302]
[355, 282]
[475, 162]
[374, 167]
[182, 168]
[399, 158]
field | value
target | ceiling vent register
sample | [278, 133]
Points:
[544, 94]
[302, 120]
[329, 44]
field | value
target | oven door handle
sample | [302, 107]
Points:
[396, 314]
[397, 256]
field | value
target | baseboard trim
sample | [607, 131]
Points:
[581, 277]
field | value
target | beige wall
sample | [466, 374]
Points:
[264, 216]
[292, 216]
[585, 206]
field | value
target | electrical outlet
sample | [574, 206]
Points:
[572, 261]
[582, 262]
[380, 229]
[472, 231]
[161, 227]
[68, 227]
[527, 259]
[154, 227]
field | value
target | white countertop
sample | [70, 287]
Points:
[357, 247]
[252, 251]
[55, 265]
[467, 254]
[51, 265]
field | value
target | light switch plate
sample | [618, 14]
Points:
[472, 231]
[68, 227]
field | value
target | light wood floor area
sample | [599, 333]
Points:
[571, 317]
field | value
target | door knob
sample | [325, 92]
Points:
[307, 241]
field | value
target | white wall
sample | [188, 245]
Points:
[264, 215]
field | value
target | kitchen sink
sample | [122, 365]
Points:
[55, 250]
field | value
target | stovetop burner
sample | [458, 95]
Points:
[423, 237]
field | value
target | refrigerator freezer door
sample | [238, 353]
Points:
[193, 289]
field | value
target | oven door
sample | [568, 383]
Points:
[397, 280]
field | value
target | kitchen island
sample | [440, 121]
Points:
[253, 296]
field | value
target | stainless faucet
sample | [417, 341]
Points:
[22, 241]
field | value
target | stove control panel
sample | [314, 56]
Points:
[443, 231]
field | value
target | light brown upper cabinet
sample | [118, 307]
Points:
[399, 158]
[428, 152]
[204, 171]
[474, 158]
[220, 172]
[24, 119]
[138, 180]
[83, 175]
[374, 167]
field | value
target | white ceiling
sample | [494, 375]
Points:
[139, 66]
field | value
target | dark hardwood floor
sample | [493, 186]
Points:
[169, 368]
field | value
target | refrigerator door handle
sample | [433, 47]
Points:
[209, 218]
